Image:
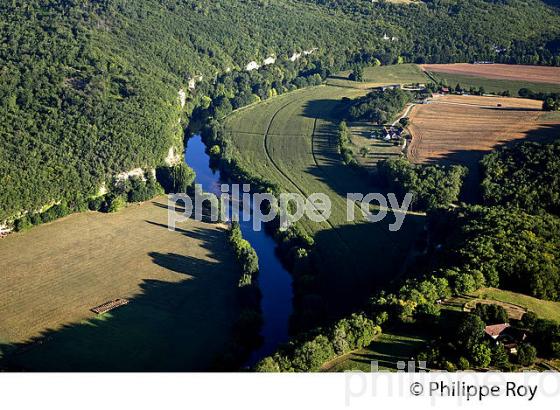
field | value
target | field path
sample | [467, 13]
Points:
[405, 114]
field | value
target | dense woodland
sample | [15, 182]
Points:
[89, 88]
[516, 177]
[432, 186]
[379, 106]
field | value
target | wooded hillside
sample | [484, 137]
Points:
[90, 88]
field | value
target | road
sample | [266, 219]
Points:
[405, 114]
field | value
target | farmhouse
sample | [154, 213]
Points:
[495, 331]
[391, 133]
[506, 335]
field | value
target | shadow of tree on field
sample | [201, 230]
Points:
[471, 191]
[177, 325]
[326, 109]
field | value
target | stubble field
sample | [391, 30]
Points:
[461, 129]
[181, 286]
[538, 74]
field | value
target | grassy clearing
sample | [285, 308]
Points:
[543, 308]
[291, 140]
[378, 150]
[383, 75]
[181, 286]
[492, 85]
[388, 350]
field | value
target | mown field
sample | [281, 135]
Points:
[382, 75]
[389, 349]
[291, 140]
[181, 286]
[378, 149]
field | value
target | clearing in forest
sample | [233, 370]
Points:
[392, 347]
[382, 75]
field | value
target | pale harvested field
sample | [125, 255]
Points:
[454, 128]
[462, 129]
[181, 287]
[538, 74]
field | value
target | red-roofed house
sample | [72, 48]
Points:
[495, 331]
[503, 333]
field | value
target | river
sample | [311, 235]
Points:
[274, 280]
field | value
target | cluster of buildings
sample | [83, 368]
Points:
[388, 134]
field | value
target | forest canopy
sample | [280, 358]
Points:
[526, 176]
[89, 89]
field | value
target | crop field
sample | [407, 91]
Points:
[461, 129]
[181, 286]
[491, 85]
[382, 75]
[455, 128]
[533, 74]
[291, 140]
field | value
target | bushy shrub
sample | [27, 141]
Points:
[115, 204]
[313, 354]
[526, 355]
